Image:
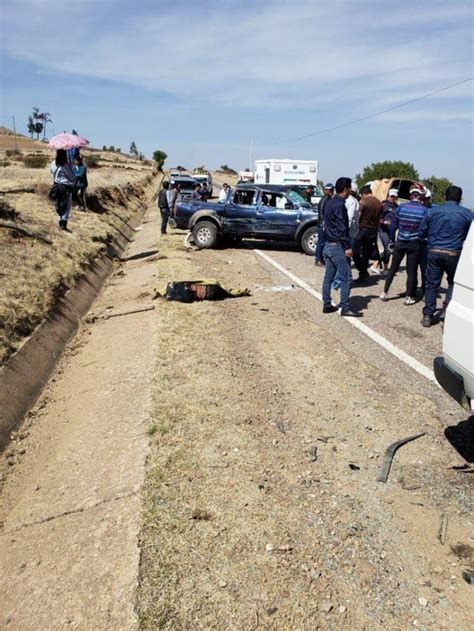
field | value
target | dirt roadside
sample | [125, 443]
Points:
[70, 503]
[261, 508]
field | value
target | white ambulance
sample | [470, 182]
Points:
[286, 171]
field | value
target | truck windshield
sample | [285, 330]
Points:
[186, 185]
[296, 197]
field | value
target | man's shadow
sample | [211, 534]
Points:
[461, 437]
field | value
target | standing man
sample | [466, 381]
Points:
[163, 205]
[446, 227]
[328, 194]
[407, 219]
[204, 192]
[389, 206]
[336, 249]
[196, 195]
[225, 193]
[172, 197]
[370, 213]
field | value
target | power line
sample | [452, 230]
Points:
[363, 118]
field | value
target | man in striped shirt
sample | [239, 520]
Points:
[407, 219]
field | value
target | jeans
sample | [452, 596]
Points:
[438, 264]
[81, 196]
[423, 262]
[365, 245]
[336, 285]
[320, 245]
[385, 239]
[63, 208]
[336, 263]
[412, 251]
[165, 215]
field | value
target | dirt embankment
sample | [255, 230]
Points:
[38, 262]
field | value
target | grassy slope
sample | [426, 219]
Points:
[33, 274]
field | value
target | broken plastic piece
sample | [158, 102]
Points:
[390, 452]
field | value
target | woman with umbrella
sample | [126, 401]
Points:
[63, 175]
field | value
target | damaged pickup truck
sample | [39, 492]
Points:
[270, 212]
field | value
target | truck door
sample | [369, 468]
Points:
[240, 213]
[277, 216]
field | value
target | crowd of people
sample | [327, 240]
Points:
[69, 178]
[430, 237]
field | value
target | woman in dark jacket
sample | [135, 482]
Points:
[80, 171]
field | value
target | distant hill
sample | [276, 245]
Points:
[7, 141]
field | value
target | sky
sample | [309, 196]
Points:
[202, 79]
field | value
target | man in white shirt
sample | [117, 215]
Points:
[224, 195]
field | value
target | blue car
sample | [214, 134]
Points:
[254, 211]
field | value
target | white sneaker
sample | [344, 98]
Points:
[375, 270]
[384, 297]
[409, 301]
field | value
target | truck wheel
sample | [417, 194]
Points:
[205, 234]
[309, 240]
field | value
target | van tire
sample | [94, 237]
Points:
[309, 240]
[205, 234]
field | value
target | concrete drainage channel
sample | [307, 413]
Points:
[26, 373]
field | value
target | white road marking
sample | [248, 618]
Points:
[376, 337]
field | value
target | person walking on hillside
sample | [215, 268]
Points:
[80, 171]
[65, 178]
[328, 194]
[407, 219]
[336, 249]
[164, 207]
[365, 245]
[445, 227]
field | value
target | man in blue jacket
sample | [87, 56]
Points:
[337, 251]
[446, 227]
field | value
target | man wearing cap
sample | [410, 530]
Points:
[328, 193]
[446, 227]
[337, 249]
[407, 219]
[163, 205]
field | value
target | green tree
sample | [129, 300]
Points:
[104, 148]
[31, 126]
[159, 157]
[387, 169]
[226, 168]
[133, 149]
[45, 118]
[437, 186]
[111, 148]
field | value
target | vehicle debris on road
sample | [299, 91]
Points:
[389, 454]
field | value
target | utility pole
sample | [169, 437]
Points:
[251, 155]
[14, 130]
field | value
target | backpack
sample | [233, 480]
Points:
[58, 192]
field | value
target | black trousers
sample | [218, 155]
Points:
[365, 245]
[165, 215]
[412, 251]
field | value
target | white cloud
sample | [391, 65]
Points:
[272, 54]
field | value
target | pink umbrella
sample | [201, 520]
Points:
[67, 141]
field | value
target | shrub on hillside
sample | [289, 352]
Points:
[13, 153]
[91, 162]
[37, 161]
[5, 163]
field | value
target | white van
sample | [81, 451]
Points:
[455, 370]
[285, 171]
